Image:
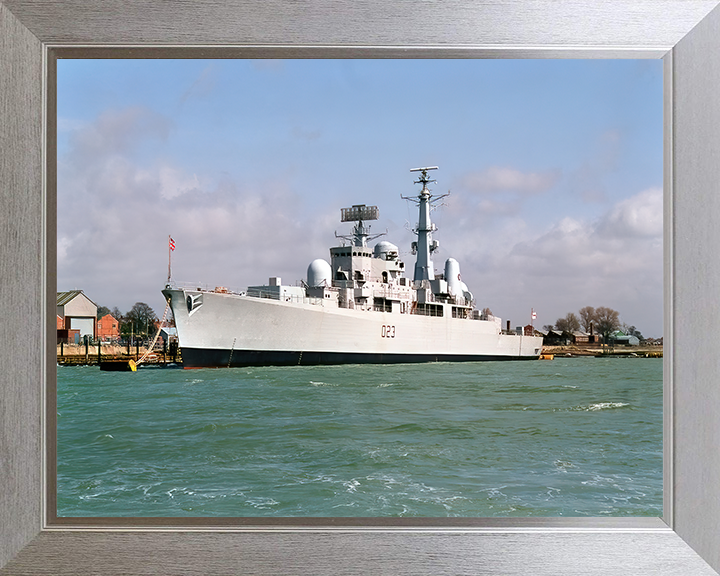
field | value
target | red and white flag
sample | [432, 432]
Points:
[172, 244]
[533, 315]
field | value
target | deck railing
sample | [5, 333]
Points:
[253, 293]
[276, 295]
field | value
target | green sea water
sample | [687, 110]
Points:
[567, 437]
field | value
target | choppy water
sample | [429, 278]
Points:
[568, 437]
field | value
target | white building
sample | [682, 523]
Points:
[78, 312]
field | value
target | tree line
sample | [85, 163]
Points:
[602, 321]
[139, 320]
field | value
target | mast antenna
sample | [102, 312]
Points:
[424, 180]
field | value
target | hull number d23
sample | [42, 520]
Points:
[388, 331]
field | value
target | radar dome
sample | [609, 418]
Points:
[452, 276]
[386, 250]
[319, 273]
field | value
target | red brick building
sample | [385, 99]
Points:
[108, 328]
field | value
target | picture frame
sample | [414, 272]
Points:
[685, 33]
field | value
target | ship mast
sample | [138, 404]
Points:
[425, 245]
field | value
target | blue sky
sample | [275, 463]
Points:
[554, 169]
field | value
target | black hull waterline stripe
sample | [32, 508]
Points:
[213, 358]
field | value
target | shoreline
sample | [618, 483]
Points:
[74, 354]
[604, 351]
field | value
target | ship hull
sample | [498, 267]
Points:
[213, 358]
[222, 330]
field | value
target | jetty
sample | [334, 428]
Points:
[104, 355]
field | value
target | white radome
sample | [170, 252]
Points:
[383, 249]
[319, 273]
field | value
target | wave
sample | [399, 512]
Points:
[600, 406]
[526, 389]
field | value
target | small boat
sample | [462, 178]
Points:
[117, 365]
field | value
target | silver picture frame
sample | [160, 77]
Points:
[685, 33]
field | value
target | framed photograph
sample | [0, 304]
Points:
[347, 396]
[683, 541]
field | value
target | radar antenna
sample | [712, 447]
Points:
[424, 180]
[359, 213]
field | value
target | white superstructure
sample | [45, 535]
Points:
[359, 307]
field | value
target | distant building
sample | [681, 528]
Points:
[530, 330]
[108, 328]
[619, 338]
[556, 338]
[66, 336]
[78, 312]
[580, 337]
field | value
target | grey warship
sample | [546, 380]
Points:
[358, 308]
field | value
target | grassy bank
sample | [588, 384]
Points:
[641, 351]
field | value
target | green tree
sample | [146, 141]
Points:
[607, 321]
[102, 311]
[140, 320]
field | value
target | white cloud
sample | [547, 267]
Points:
[499, 192]
[639, 216]
[68, 124]
[117, 132]
[588, 180]
[114, 216]
[506, 179]
[174, 181]
[612, 260]
[63, 243]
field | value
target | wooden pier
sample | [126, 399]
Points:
[81, 355]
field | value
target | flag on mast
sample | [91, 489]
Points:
[171, 248]
[533, 314]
